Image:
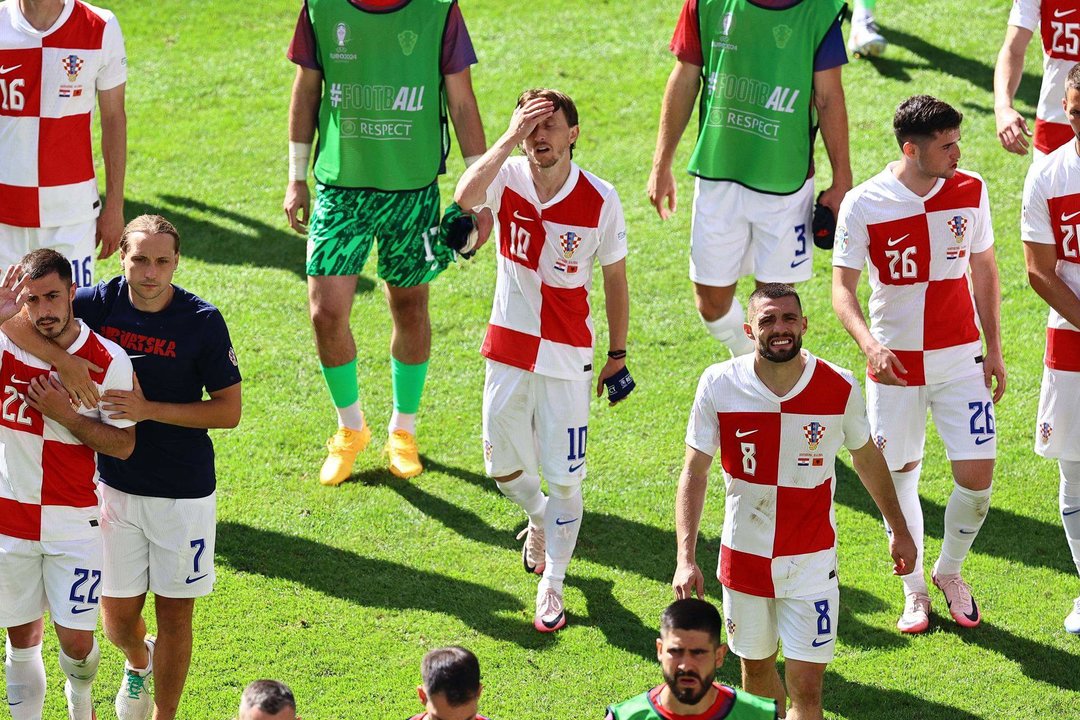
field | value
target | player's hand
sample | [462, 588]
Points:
[74, 373]
[688, 581]
[127, 404]
[298, 205]
[994, 367]
[662, 192]
[832, 196]
[485, 221]
[12, 293]
[1012, 130]
[528, 116]
[46, 395]
[110, 226]
[885, 366]
[903, 551]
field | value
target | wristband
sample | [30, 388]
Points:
[472, 159]
[299, 158]
[619, 386]
[616, 354]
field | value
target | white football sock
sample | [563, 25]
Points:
[1069, 502]
[402, 421]
[25, 672]
[561, 527]
[81, 673]
[351, 416]
[729, 330]
[964, 516]
[907, 493]
[525, 491]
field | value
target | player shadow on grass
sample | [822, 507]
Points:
[204, 238]
[856, 700]
[375, 583]
[1040, 662]
[1042, 546]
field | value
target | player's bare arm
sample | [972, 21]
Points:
[1041, 261]
[987, 291]
[303, 119]
[833, 120]
[617, 304]
[886, 367]
[221, 410]
[110, 224]
[681, 91]
[689, 502]
[461, 103]
[472, 187]
[1012, 129]
[46, 395]
[874, 474]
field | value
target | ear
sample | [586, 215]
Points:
[71, 290]
[659, 649]
[574, 131]
[423, 695]
[910, 150]
[721, 653]
[748, 330]
[804, 324]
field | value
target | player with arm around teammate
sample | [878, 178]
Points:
[50, 539]
[1050, 232]
[778, 418]
[554, 220]
[918, 227]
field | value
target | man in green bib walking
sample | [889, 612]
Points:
[377, 79]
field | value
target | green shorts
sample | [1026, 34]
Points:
[346, 221]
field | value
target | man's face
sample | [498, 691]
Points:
[48, 301]
[149, 264]
[689, 660]
[550, 140]
[439, 708]
[777, 327]
[1072, 109]
[939, 156]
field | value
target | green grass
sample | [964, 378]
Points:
[339, 592]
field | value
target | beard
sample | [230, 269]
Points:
[689, 695]
[779, 356]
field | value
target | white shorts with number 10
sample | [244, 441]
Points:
[535, 423]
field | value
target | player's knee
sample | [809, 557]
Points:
[710, 308]
[328, 319]
[759, 670]
[564, 490]
[804, 688]
[78, 646]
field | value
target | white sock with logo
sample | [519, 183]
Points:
[729, 330]
[964, 516]
[24, 669]
[561, 527]
[525, 491]
[81, 673]
[1069, 502]
[907, 493]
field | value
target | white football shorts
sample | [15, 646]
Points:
[535, 423]
[61, 576]
[736, 231]
[805, 625]
[1057, 427]
[962, 410]
[75, 242]
[158, 544]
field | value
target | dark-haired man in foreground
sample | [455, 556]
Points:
[451, 685]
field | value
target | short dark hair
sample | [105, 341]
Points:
[692, 614]
[920, 117]
[774, 291]
[560, 100]
[1072, 80]
[39, 263]
[453, 672]
[270, 696]
[150, 225]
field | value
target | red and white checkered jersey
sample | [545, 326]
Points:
[1058, 22]
[1051, 215]
[48, 87]
[540, 319]
[47, 477]
[918, 250]
[778, 455]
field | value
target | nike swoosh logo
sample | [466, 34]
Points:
[795, 264]
[1060, 14]
[966, 532]
[890, 242]
[560, 521]
[13, 704]
[132, 357]
[1067, 218]
[1066, 513]
[983, 440]
[80, 611]
[744, 433]
[819, 643]
[6, 70]
[519, 216]
[16, 381]
[190, 580]
[575, 468]
[974, 614]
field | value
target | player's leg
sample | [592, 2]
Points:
[22, 598]
[719, 243]
[510, 451]
[172, 654]
[804, 682]
[24, 670]
[79, 660]
[76, 243]
[1069, 503]
[339, 241]
[781, 235]
[964, 416]
[865, 39]
[753, 635]
[808, 629]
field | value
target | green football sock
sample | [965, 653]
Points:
[408, 383]
[341, 382]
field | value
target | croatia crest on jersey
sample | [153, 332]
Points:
[1045, 431]
[72, 64]
[813, 431]
[957, 226]
[568, 243]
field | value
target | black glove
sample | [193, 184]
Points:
[457, 231]
[619, 385]
[824, 226]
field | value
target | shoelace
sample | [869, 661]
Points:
[550, 604]
[961, 589]
[135, 683]
[535, 540]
